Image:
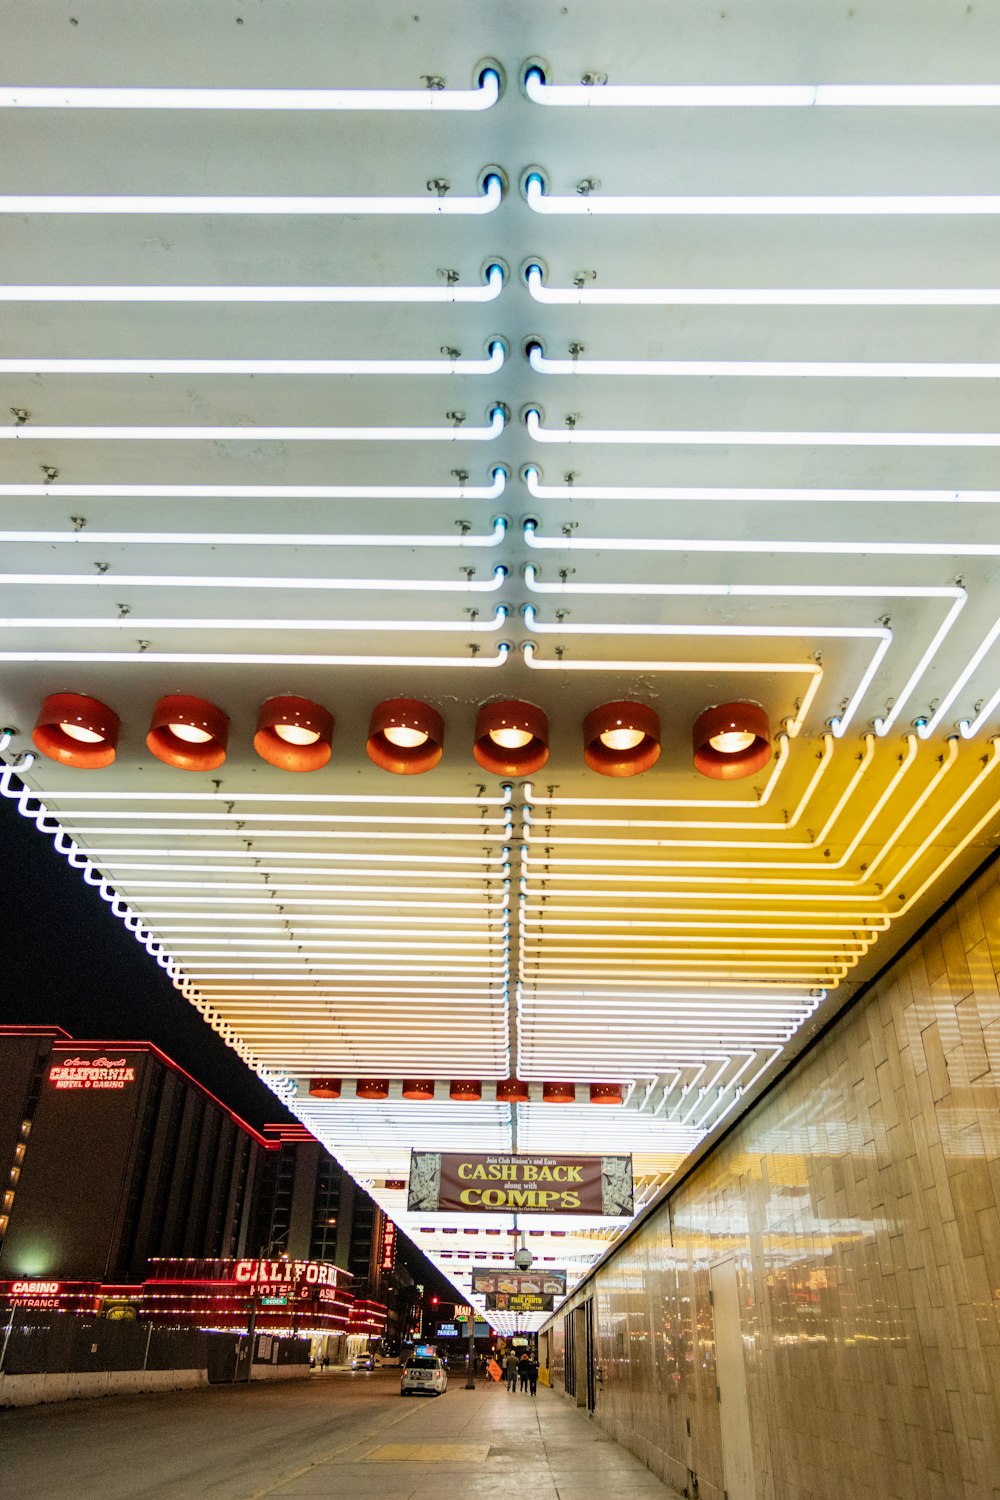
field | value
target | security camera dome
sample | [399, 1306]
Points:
[523, 1259]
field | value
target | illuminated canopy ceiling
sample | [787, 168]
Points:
[541, 353]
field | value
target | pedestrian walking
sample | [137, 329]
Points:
[533, 1374]
[522, 1370]
[510, 1370]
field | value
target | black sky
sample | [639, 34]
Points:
[67, 960]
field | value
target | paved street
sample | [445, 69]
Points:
[332, 1435]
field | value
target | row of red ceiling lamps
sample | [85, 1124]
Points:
[405, 736]
[467, 1090]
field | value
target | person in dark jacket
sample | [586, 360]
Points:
[523, 1366]
[510, 1370]
[533, 1373]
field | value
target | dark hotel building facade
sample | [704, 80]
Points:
[115, 1158]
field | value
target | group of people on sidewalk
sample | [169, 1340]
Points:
[523, 1371]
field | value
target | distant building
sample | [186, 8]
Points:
[114, 1158]
[115, 1155]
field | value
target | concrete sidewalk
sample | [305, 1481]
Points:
[467, 1445]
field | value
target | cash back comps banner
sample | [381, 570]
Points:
[598, 1186]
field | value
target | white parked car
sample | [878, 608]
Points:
[424, 1374]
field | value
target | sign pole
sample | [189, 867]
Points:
[6, 1337]
[470, 1374]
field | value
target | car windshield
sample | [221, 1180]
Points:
[423, 1364]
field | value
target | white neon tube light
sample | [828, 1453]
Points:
[760, 95]
[747, 438]
[264, 538]
[723, 544]
[485, 202]
[28, 433]
[205, 626]
[393, 799]
[260, 491]
[265, 659]
[752, 496]
[386, 828]
[685, 205]
[448, 293]
[725, 296]
[792, 369]
[214, 581]
[433, 101]
[41, 366]
[926, 727]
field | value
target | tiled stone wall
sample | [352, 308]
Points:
[860, 1199]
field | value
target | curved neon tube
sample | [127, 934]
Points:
[746, 437]
[926, 727]
[946, 764]
[778, 765]
[42, 366]
[484, 202]
[264, 538]
[839, 725]
[823, 761]
[791, 726]
[693, 296]
[554, 839]
[761, 95]
[434, 101]
[681, 205]
[742, 369]
[488, 292]
[262, 434]
[261, 491]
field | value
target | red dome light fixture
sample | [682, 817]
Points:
[512, 738]
[512, 1091]
[466, 1090]
[293, 734]
[372, 1088]
[558, 1093]
[77, 731]
[405, 736]
[605, 1093]
[621, 739]
[189, 733]
[324, 1088]
[731, 740]
[418, 1088]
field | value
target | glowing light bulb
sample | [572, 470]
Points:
[405, 736]
[190, 733]
[510, 738]
[296, 734]
[732, 741]
[85, 736]
[622, 739]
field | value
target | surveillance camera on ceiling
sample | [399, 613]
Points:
[523, 1259]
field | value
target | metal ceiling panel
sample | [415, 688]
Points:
[356, 450]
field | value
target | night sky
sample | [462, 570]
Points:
[68, 961]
